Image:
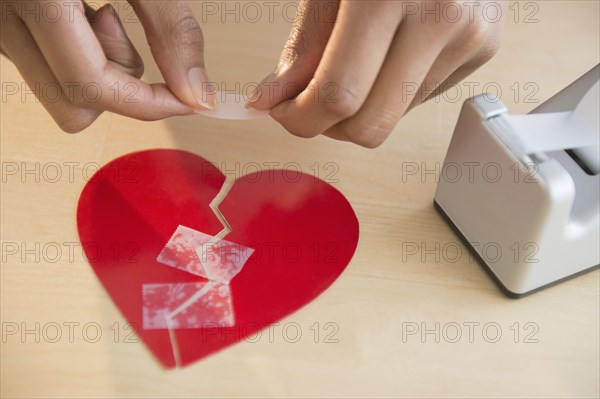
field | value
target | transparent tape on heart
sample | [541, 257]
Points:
[174, 305]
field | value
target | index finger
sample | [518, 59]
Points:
[88, 78]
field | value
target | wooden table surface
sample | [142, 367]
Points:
[383, 289]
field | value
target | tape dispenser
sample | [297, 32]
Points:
[530, 211]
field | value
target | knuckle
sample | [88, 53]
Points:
[300, 132]
[489, 50]
[304, 134]
[184, 30]
[476, 32]
[373, 132]
[174, 25]
[368, 141]
[79, 98]
[76, 121]
[85, 94]
[343, 104]
[477, 39]
[292, 126]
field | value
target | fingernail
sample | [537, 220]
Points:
[202, 89]
[256, 92]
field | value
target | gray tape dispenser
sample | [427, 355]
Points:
[523, 191]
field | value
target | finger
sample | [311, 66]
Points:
[88, 78]
[115, 43]
[457, 50]
[338, 91]
[410, 59]
[301, 54]
[177, 45]
[437, 84]
[28, 59]
[483, 54]
[89, 10]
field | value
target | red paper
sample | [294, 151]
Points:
[301, 231]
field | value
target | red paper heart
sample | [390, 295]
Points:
[303, 232]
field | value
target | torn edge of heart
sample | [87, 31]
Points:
[210, 303]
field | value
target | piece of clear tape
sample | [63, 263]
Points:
[200, 304]
[187, 305]
[187, 250]
[579, 128]
[232, 106]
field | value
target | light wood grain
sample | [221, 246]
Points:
[372, 299]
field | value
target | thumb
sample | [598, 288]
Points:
[301, 54]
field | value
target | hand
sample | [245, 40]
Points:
[351, 69]
[80, 62]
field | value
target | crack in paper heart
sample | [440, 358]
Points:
[216, 259]
[270, 212]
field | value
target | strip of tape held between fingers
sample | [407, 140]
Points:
[231, 106]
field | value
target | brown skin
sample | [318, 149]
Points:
[359, 65]
[350, 69]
